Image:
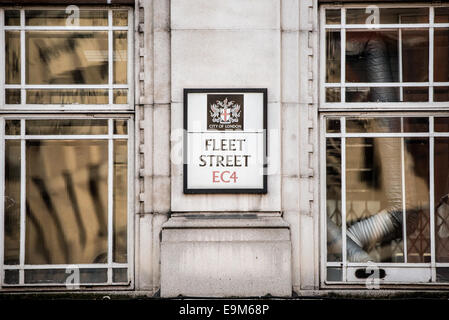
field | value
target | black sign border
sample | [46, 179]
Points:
[262, 190]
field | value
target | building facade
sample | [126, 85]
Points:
[93, 143]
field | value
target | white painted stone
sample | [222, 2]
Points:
[225, 262]
[290, 140]
[292, 218]
[229, 14]
[144, 265]
[161, 194]
[161, 14]
[225, 58]
[162, 67]
[308, 247]
[290, 194]
[290, 14]
[290, 67]
[161, 139]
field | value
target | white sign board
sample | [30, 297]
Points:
[225, 140]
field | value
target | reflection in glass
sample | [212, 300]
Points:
[440, 94]
[373, 125]
[415, 55]
[441, 55]
[120, 275]
[64, 57]
[441, 124]
[11, 277]
[333, 54]
[441, 197]
[12, 96]
[333, 95]
[12, 57]
[333, 199]
[12, 202]
[373, 94]
[387, 16]
[372, 56]
[12, 127]
[332, 125]
[67, 18]
[120, 57]
[415, 94]
[12, 18]
[333, 16]
[120, 195]
[66, 126]
[416, 124]
[120, 18]
[120, 127]
[120, 96]
[67, 96]
[66, 201]
[441, 14]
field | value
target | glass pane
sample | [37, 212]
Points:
[93, 275]
[372, 57]
[416, 124]
[373, 125]
[12, 127]
[441, 177]
[441, 124]
[334, 274]
[415, 55]
[440, 94]
[416, 164]
[12, 96]
[11, 277]
[441, 55]
[333, 95]
[64, 57]
[120, 18]
[333, 54]
[120, 194]
[120, 126]
[333, 199]
[120, 275]
[12, 57]
[67, 201]
[67, 96]
[387, 15]
[373, 94]
[69, 17]
[12, 201]
[66, 126]
[415, 94]
[374, 200]
[12, 18]
[120, 57]
[121, 96]
[333, 16]
[442, 15]
[333, 125]
[36, 276]
[442, 274]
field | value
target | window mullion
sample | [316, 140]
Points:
[110, 198]
[110, 58]
[432, 197]
[22, 201]
[404, 201]
[343, 197]
[431, 52]
[22, 58]
[343, 56]
[2, 196]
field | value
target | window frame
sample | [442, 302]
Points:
[110, 86]
[110, 137]
[343, 110]
[376, 106]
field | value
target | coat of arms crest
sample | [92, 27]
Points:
[225, 112]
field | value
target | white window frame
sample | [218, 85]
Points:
[110, 137]
[374, 106]
[343, 110]
[69, 107]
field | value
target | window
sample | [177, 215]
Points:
[385, 144]
[385, 55]
[66, 190]
[66, 177]
[66, 59]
